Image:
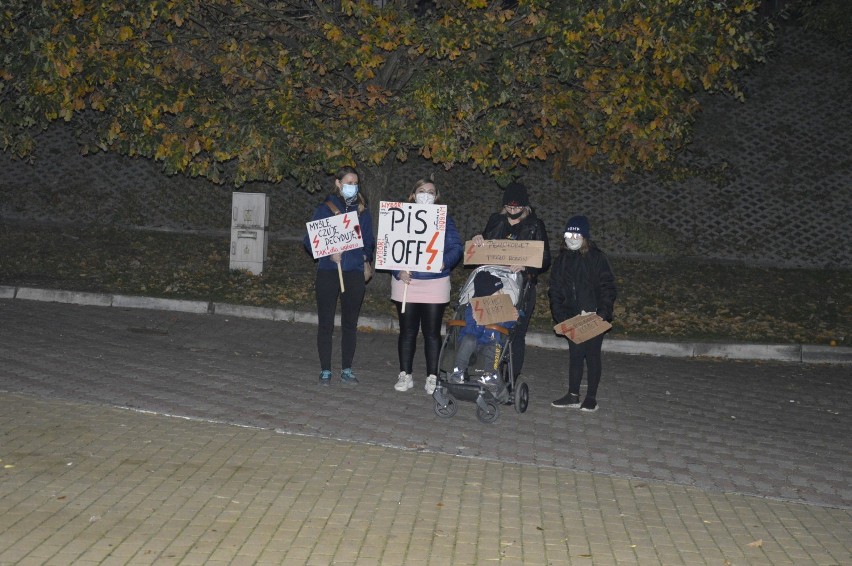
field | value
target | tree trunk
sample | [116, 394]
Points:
[376, 182]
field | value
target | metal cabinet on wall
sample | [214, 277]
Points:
[249, 235]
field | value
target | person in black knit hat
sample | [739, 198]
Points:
[581, 282]
[517, 221]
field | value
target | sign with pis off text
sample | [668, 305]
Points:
[528, 253]
[411, 236]
[335, 234]
[580, 328]
[493, 310]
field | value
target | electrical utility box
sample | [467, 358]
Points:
[249, 235]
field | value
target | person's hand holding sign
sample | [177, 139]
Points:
[336, 258]
[405, 277]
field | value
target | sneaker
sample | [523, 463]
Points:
[488, 379]
[404, 382]
[589, 405]
[346, 376]
[325, 377]
[457, 376]
[431, 382]
[569, 401]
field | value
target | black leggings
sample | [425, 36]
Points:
[417, 316]
[328, 291]
[590, 353]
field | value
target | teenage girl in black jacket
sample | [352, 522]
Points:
[581, 282]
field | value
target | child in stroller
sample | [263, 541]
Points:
[476, 361]
[486, 342]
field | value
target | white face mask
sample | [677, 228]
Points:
[574, 243]
[349, 191]
[424, 198]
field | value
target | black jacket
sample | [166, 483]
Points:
[530, 228]
[581, 282]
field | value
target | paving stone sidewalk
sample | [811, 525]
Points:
[86, 484]
[770, 429]
[766, 444]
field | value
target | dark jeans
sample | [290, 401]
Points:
[328, 291]
[590, 353]
[519, 343]
[419, 316]
[487, 355]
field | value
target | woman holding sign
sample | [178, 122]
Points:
[581, 283]
[517, 221]
[421, 298]
[341, 275]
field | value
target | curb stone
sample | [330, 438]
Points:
[59, 296]
[241, 311]
[178, 305]
[801, 353]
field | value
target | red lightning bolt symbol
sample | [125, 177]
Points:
[346, 221]
[478, 309]
[432, 250]
[470, 251]
[316, 241]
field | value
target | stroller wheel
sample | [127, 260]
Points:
[522, 395]
[446, 411]
[487, 412]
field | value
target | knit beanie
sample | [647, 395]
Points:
[485, 284]
[578, 225]
[516, 195]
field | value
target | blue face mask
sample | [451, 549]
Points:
[349, 191]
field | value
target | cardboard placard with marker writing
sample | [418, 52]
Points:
[493, 310]
[580, 328]
[528, 253]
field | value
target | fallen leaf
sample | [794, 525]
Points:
[756, 544]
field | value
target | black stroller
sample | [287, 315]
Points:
[488, 394]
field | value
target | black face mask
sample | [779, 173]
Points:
[516, 215]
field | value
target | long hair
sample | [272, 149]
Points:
[342, 172]
[420, 183]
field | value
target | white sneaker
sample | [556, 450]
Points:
[431, 382]
[404, 382]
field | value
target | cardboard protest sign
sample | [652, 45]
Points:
[580, 328]
[335, 234]
[493, 310]
[411, 236]
[504, 252]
